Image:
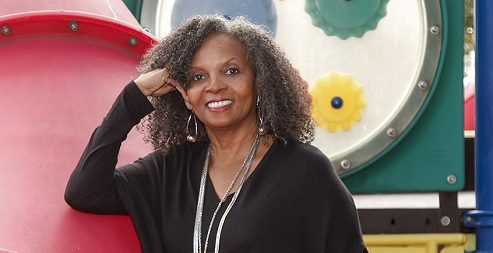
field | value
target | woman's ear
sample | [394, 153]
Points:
[183, 93]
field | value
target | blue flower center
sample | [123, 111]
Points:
[336, 102]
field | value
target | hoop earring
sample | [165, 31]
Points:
[261, 125]
[190, 137]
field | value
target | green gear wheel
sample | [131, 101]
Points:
[346, 18]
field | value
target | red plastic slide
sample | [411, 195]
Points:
[62, 64]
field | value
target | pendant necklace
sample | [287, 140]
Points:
[245, 167]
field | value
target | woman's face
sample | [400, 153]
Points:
[222, 91]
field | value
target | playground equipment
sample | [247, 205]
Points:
[63, 63]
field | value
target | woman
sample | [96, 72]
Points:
[233, 170]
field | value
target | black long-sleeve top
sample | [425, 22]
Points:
[292, 202]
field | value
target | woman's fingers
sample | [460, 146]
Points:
[156, 82]
[164, 89]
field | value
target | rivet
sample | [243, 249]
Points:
[451, 179]
[391, 132]
[435, 30]
[5, 30]
[133, 41]
[469, 219]
[73, 25]
[445, 221]
[345, 164]
[423, 85]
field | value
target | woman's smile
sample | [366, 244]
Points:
[220, 105]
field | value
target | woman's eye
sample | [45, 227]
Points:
[198, 77]
[232, 71]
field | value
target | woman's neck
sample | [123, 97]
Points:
[231, 143]
[228, 152]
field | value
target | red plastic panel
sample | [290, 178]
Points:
[112, 9]
[470, 113]
[56, 87]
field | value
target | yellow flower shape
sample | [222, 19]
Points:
[338, 102]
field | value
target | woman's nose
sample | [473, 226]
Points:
[216, 84]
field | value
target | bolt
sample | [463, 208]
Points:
[469, 219]
[336, 102]
[6, 30]
[435, 30]
[445, 221]
[391, 132]
[423, 85]
[73, 25]
[133, 41]
[345, 164]
[451, 179]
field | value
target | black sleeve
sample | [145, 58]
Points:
[331, 221]
[92, 185]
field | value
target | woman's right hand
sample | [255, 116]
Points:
[156, 83]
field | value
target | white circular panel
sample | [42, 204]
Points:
[388, 62]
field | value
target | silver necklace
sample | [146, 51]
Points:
[197, 233]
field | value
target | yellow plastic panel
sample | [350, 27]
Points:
[416, 243]
[397, 249]
[453, 249]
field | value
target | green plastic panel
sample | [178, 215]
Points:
[135, 6]
[431, 155]
[344, 19]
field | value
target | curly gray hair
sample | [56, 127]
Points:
[285, 103]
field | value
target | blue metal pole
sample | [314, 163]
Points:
[484, 126]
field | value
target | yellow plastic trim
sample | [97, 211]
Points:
[416, 243]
